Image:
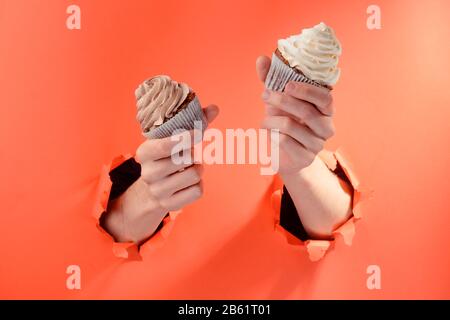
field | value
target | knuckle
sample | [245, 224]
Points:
[317, 146]
[283, 99]
[140, 152]
[196, 174]
[329, 132]
[332, 130]
[329, 99]
[197, 191]
[196, 177]
[309, 160]
[287, 123]
[159, 192]
[326, 102]
[147, 173]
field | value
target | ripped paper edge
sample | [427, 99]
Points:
[125, 250]
[317, 249]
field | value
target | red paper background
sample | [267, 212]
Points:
[67, 108]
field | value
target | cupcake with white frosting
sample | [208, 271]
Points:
[310, 57]
[164, 106]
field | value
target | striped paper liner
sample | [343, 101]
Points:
[188, 118]
[280, 74]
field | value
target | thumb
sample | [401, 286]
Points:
[262, 67]
[211, 112]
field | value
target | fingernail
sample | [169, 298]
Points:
[266, 94]
[290, 86]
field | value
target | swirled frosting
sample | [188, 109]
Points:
[315, 52]
[159, 99]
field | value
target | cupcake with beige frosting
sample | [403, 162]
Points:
[165, 106]
[311, 57]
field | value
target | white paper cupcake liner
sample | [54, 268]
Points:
[280, 74]
[189, 118]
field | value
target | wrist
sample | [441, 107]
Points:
[112, 220]
[141, 212]
[302, 177]
[135, 215]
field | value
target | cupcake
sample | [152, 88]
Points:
[310, 57]
[164, 106]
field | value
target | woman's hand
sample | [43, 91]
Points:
[163, 186]
[303, 115]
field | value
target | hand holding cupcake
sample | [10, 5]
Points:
[298, 101]
[164, 106]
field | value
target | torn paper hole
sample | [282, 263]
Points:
[317, 248]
